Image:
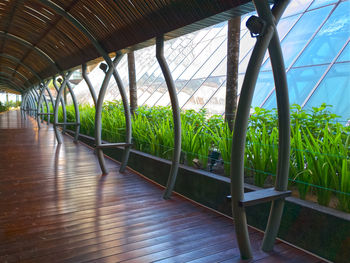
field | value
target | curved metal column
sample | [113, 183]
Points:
[127, 113]
[27, 105]
[266, 31]
[49, 92]
[98, 120]
[51, 98]
[99, 101]
[48, 114]
[58, 98]
[39, 107]
[40, 113]
[36, 97]
[64, 111]
[24, 104]
[76, 109]
[176, 116]
[88, 83]
[282, 96]
[32, 103]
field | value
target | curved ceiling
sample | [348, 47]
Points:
[38, 41]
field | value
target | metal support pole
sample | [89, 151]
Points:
[47, 107]
[98, 119]
[280, 79]
[62, 102]
[176, 116]
[88, 83]
[23, 105]
[127, 113]
[26, 105]
[40, 108]
[46, 104]
[32, 103]
[76, 109]
[58, 98]
[51, 97]
[266, 30]
[35, 100]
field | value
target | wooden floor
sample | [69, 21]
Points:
[56, 207]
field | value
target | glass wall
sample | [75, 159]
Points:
[314, 37]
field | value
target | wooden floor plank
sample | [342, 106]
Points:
[55, 206]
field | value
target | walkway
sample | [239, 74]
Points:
[56, 207]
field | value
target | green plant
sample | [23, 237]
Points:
[262, 153]
[319, 160]
[297, 167]
[222, 138]
[344, 193]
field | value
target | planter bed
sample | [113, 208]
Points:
[321, 230]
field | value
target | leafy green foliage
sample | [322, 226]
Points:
[6, 106]
[319, 160]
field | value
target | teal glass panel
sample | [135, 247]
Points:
[296, 7]
[345, 55]
[300, 83]
[319, 3]
[330, 39]
[301, 33]
[334, 90]
[263, 87]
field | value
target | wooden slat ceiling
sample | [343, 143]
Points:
[35, 35]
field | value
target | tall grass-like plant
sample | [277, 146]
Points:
[222, 139]
[87, 120]
[262, 153]
[191, 142]
[320, 167]
[344, 193]
[320, 147]
[297, 167]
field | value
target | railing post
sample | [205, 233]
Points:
[62, 102]
[264, 28]
[98, 119]
[128, 128]
[176, 116]
[280, 79]
[77, 114]
[57, 104]
[88, 83]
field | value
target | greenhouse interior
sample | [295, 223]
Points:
[132, 131]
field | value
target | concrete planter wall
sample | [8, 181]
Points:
[320, 230]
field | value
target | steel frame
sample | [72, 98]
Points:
[62, 103]
[127, 113]
[58, 100]
[76, 109]
[88, 83]
[111, 65]
[267, 39]
[176, 116]
[303, 49]
[98, 117]
[40, 113]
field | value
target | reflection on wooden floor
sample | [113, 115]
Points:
[56, 207]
